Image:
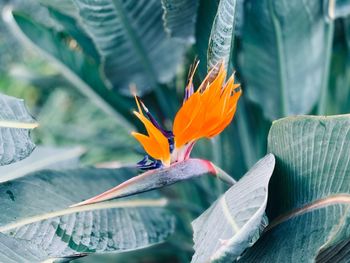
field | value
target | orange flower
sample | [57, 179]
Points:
[156, 143]
[204, 114]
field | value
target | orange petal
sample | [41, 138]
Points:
[149, 145]
[208, 111]
[184, 119]
[161, 142]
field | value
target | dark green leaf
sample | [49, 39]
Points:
[64, 6]
[73, 28]
[130, 37]
[180, 18]
[206, 15]
[285, 60]
[38, 214]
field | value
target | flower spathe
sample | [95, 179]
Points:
[205, 113]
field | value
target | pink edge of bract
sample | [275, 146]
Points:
[210, 166]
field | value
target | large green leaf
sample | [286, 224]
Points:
[180, 18]
[38, 214]
[225, 230]
[309, 191]
[130, 37]
[15, 125]
[285, 60]
[77, 67]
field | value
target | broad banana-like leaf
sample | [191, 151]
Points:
[15, 124]
[161, 177]
[285, 60]
[73, 28]
[309, 192]
[12, 251]
[78, 68]
[180, 18]
[43, 157]
[132, 42]
[221, 36]
[225, 230]
[39, 218]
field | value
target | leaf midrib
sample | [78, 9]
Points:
[137, 203]
[18, 124]
[316, 204]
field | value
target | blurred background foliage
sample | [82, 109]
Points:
[66, 116]
[74, 69]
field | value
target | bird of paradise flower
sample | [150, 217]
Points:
[204, 113]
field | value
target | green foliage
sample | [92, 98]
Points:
[291, 57]
[309, 192]
[180, 18]
[240, 211]
[221, 36]
[50, 229]
[15, 124]
[133, 46]
[286, 72]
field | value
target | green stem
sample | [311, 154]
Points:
[321, 109]
[222, 175]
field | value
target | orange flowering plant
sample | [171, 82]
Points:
[204, 113]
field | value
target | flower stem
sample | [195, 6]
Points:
[222, 175]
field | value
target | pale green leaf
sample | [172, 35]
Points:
[225, 230]
[221, 36]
